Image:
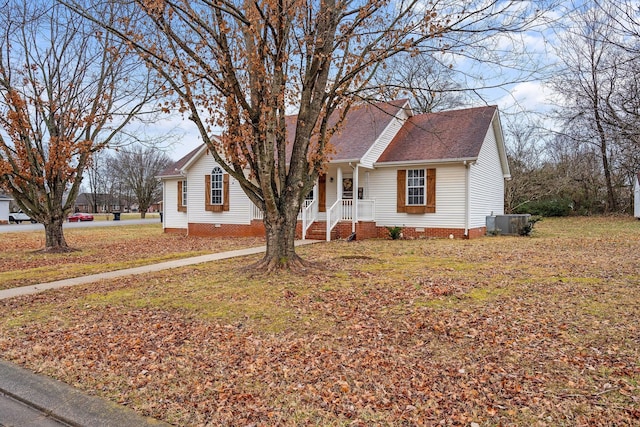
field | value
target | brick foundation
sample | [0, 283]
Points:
[364, 230]
[426, 232]
[255, 229]
[176, 230]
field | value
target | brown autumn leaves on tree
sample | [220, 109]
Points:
[66, 91]
[242, 66]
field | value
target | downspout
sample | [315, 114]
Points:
[354, 198]
[188, 192]
[164, 199]
[467, 202]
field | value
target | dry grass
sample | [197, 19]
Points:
[496, 331]
[100, 249]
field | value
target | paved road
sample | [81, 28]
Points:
[27, 226]
[15, 413]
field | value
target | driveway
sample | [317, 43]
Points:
[12, 228]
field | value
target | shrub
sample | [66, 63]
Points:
[548, 208]
[528, 229]
[395, 232]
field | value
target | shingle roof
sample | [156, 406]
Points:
[360, 129]
[447, 135]
[174, 168]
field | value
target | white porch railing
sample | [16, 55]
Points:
[341, 210]
[347, 210]
[256, 213]
[309, 214]
[334, 215]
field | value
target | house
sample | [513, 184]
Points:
[636, 196]
[5, 201]
[98, 203]
[434, 175]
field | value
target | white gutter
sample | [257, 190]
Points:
[463, 160]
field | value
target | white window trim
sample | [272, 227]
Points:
[424, 188]
[184, 192]
[217, 171]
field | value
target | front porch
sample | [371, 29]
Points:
[343, 215]
[332, 203]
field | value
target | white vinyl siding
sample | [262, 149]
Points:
[239, 204]
[383, 141]
[449, 198]
[486, 183]
[171, 218]
[636, 198]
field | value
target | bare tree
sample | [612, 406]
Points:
[525, 163]
[137, 167]
[242, 66]
[428, 83]
[589, 78]
[97, 179]
[65, 91]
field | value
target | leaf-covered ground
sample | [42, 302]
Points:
[99, 249]
[493, 331]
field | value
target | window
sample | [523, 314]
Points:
[182, 195]
[309, 195]
[415, 187]
[217, 191]
[217, 195]
[416, 191]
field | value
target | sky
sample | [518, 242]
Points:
[525, 99]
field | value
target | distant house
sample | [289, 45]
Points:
[434, 175]
[99, 203]
[636, 196]
[5, 202]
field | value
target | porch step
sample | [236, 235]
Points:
[318, 231]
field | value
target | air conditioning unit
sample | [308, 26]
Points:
[507, 225]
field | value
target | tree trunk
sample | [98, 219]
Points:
[143, 213]
[55, 241]
[280, 236]
[612, 204]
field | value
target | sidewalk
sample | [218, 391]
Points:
[28, 399]
[82, 280]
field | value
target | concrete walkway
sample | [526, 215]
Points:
[82, 280]
[28, 399]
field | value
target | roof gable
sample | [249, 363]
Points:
[360, 129]
[174, 169]
[443, 136]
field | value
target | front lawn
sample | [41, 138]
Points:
[100, 249]
[493, 331]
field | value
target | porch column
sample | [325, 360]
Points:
[339, 185]
[354, 218]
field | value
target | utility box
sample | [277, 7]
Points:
[507, 225]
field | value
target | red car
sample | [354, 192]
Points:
[79, 216]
